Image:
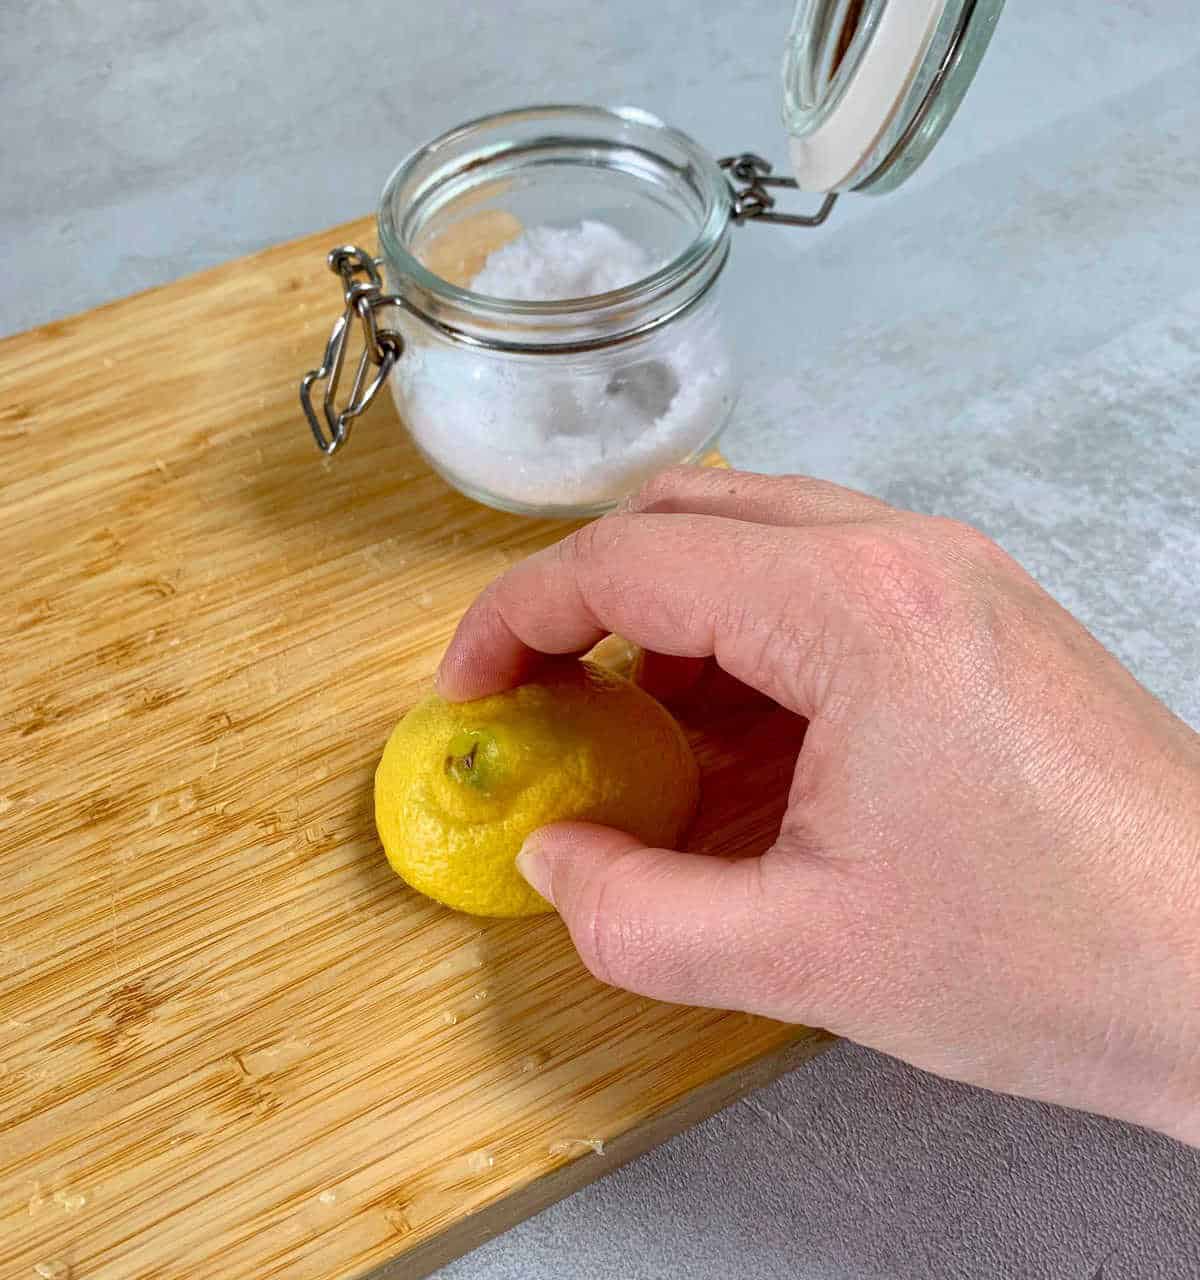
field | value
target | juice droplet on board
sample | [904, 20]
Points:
[565, 1146]
[480, 1161]
[533, 1063]
[328, 1197]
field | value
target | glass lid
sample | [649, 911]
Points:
[870, 85]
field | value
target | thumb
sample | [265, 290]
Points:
[682, 927]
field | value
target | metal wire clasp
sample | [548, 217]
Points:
[750, 177]
[362, 287]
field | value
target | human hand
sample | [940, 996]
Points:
[990, 862]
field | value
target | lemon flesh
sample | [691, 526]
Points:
[461, 785]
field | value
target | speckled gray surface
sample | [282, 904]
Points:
[1014, 339]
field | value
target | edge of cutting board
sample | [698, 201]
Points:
[541, 1193]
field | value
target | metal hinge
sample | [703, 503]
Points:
[750, 178]
[362, 288]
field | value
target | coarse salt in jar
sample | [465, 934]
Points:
[587, 351]
[546, 305]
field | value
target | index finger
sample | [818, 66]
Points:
[762, 600]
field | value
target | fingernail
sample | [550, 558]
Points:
[532, 865]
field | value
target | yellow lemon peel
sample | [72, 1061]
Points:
[461, 785]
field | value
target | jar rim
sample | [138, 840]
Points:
[700, 260]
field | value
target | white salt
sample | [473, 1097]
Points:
[566, 430]
[548, 264]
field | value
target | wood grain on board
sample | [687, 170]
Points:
[232, 1043]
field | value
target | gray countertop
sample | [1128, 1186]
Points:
[1013, 339]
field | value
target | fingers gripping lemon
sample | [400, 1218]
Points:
[461, 785]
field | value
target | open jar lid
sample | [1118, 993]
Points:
[870, 85]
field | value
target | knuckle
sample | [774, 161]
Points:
[661, 489]
[901, 584]
[595, 557]
[782, 641]
[594, 542]
[965, 540]
[927, 590]
[955, 530]
[761, 646]
[811, 974]
[604, 937]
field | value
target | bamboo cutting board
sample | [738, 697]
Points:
[232, 1044]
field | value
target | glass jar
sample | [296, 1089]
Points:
[559, 407]
[559, 401]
